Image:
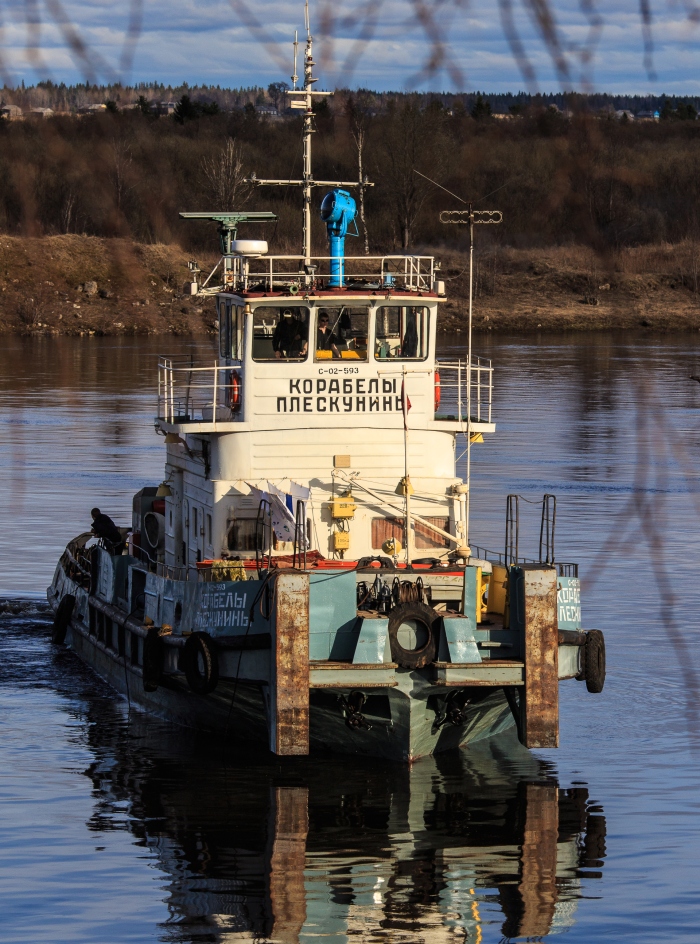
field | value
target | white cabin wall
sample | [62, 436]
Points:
[231, 456]
[297, 439]
[306, 454]
[173, 517]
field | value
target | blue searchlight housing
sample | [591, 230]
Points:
[338, 211]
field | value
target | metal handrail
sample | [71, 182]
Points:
[453, 378]
[183, 388]
[415, 272]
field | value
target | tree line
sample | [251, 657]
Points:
[70, 98]
[559, 179]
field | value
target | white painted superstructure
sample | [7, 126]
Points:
[330, 420]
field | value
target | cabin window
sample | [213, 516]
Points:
[383, 529]
[230, 329]
[342, 333]
[280, 333]
[402, 332]
[241, 534]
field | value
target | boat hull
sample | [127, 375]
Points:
[401, 723]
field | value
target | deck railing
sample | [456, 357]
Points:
[269, 273]
[189, 394]
[454, 394]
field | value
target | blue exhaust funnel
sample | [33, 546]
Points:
[338, 212]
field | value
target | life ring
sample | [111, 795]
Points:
[235, 391]
[437, 390]
[594, 661]
[153, 655]
[417, 623]
[201, 663]
[61, 620]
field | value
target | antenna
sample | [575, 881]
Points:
[469, 218]
[296, 48]
[303, 99]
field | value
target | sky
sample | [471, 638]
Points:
[248, 42]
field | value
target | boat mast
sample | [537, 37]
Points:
[303, 99]
[308, 131]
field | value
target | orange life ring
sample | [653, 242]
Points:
[235, 390]
[437, 390]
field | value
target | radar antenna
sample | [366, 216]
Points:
[303, 99]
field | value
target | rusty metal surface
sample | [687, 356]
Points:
[538, 604]
[287, 894]
[289, 701]
[538, 870]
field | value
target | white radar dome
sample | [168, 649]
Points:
[248, 247]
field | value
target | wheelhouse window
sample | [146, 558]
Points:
[230, 329]
[402, 332]
[342, 333]
[280, 333]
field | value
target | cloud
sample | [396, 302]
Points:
[207, 43]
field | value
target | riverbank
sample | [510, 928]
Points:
[82, 285]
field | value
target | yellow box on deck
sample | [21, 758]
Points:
[341, 540]
[497, 589]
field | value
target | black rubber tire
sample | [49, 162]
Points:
[594, 661]
[385, 563]
[413, 658]
[153, 657]
[61, 620]
[203, 678]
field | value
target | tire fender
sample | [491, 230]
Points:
[61, 620]
[201, 663]
[594, 661]
[419, 613]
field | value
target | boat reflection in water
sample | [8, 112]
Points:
[463, 846]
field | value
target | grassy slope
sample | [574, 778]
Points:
[40, 279]
[562, 288]
[654, 288]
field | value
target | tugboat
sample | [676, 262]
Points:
[304, 576]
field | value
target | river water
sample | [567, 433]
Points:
[114, 828]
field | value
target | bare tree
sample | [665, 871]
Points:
[121, 159]
[412, 140]
[225, 178]
[358, 116]
[68, 211]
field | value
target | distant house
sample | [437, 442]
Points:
[11, 112]
[624, 113]
[167, 108]
[42, 112]
[647, 116]
[92, 109]
[268, 111]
